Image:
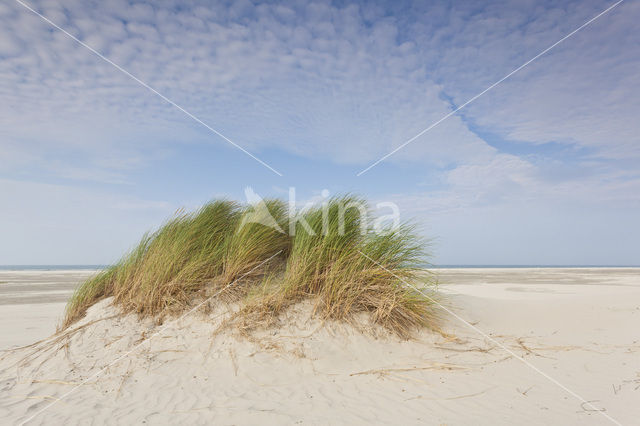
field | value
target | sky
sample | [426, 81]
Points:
[544, 168]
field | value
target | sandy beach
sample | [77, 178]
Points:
[269, 212]
[31, 302]
[553, 339]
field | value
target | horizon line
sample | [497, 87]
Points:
[427, 265]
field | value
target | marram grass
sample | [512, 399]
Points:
[343, 265]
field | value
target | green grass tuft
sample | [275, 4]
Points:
[339, 261]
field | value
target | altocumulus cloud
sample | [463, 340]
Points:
[310, 78]
[343, 82]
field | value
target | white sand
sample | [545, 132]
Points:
[581, 327]
[31, 303]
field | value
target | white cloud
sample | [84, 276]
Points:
[316, 81]
[584, 92]
[342, 84]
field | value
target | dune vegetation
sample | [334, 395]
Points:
[225, 251]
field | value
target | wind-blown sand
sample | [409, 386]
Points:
[579, 326]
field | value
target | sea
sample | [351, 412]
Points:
[97, 267]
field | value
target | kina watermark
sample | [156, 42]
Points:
[380, 218]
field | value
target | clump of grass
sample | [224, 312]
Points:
[349, 268]
[253, 241]
[335, 257]
[92, 290]
[167, 267]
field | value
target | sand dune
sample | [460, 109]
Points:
[578, 326]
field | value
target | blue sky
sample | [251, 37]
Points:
[542, 169]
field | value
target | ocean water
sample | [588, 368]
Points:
[530, 266]
[94, 267]
[50, 267]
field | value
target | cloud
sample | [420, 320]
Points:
[312, 79]
[582, 93]
[346, 84]
[332, 84]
